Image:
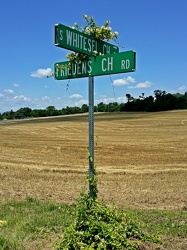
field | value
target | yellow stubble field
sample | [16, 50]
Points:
[141, 159]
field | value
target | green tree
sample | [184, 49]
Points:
[129, 98]
[181, 100]
[85, 108]
[113, 106]
[38, 113]
[147, 103]
[142, 97]
[63, 111]
[102, 107]
[8, 115]
[23, 112]
[159, 94]
[95, 108]
[51, 111]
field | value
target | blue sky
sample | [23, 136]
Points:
[156, 30]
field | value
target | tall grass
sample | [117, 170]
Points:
[31, 220]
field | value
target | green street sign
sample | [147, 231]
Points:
[114, 64]
[72, 39]
[97, 65]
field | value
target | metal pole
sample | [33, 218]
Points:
[91, 134]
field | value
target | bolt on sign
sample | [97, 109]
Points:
[69, 38]
[97, 65]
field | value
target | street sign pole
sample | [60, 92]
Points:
[111, 62]
[91, 136]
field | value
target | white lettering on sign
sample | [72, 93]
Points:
[81, 42]
[76, 69]
[125, 64]
[73, 70]
[84, 67]
[85, 40]
[75, 40]
[89, 45]
[61, 35]
[107, 64]
[106, 49]
[69, 37]
[81, 37]
[103, 64]
[110, 63]
[94, 45]
[89, 67]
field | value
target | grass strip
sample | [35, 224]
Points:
[33, 224]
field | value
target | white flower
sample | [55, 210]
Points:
[115, 33]
[95, 52]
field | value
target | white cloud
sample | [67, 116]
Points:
[81, 102]
[21, 98]
[105, 100]
[124, 81]
[182, 88]
[121, 99]
[16, 85]
[108, 100]
[45, 98]
[41, 73]
[1, 95]
[75, 96]
[8, 91]
[141, 85]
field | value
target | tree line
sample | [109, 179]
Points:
[161, 101]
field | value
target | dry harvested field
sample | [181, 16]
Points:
[141, 158]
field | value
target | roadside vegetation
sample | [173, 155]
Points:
[161, 101]
[32, 224]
